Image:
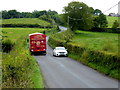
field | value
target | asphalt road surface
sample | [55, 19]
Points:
[63, 72]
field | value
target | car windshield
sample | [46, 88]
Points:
[60, 48]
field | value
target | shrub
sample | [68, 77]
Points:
[7, 45]
[115, 24]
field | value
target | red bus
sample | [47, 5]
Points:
[37, 43]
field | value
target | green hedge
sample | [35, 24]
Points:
[56, 42]
[105, 62]
[26, 25]
[108, 30]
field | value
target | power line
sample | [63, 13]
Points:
[111, 7]
[77, 19]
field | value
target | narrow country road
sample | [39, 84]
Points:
[63, 72]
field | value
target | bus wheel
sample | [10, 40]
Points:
[45, 53]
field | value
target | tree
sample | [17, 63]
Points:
[13, 14]
[100, 21]
[49, 12]
[37, 14]
[78, 15]
[26, 15]
[97, 12]
[115, 24]
[5, 15]
[46, 18]
[92, 10]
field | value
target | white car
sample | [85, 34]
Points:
[60, 51]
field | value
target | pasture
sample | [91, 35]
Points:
[15, 33]
[97, 40]
[25, 21]
[111, 20]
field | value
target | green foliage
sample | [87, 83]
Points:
[78, 15]
[16, 70]
[35, 14]
[97, 12]
[111, 20]
[59, 19]
[61, 38]
[46, 18]
[7, 45]
[100, 21]
[115, 24]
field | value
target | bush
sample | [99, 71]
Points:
[7, 45]
[115, 24]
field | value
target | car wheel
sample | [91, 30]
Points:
[53, 54]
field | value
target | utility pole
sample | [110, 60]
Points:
[119, 13]
[119, 7]
[68, 22]
[44, 25]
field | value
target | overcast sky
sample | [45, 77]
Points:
[57, 5]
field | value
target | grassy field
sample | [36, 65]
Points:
[97, 40]
[15, 33]
[25, 21]
[111, 20]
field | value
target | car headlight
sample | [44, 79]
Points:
[56, 52]
[65, 52]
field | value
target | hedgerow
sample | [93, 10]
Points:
[26, 25]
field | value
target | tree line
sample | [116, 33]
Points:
[16, 14]
[49, 15]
